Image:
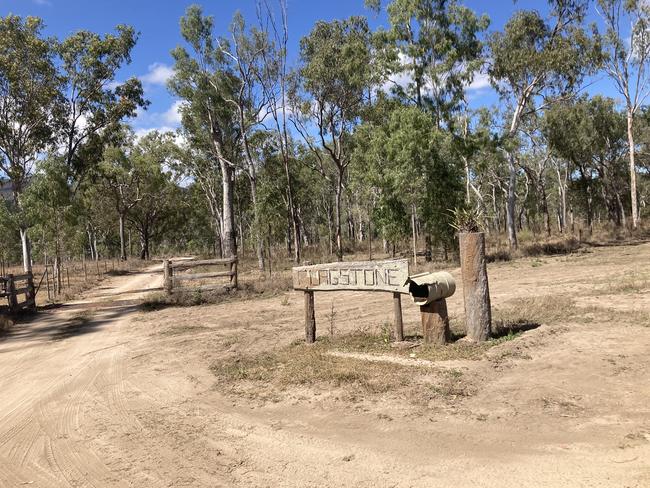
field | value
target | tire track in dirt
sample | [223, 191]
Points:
[59, 417]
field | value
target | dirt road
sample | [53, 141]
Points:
[98, 393]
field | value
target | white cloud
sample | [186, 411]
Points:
[158, 74]
[403, 79]
[169, 118]
[112, 85]
[140, 133]
[46, 3]
[173, 115]
[481, 81]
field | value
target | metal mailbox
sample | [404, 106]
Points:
[426, 288]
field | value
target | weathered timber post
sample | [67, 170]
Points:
[233, 278]
[11, 290]
[435, 322]
[310, 318]
[397, 310]
[476, 292]
[167, 275]
[30, 295]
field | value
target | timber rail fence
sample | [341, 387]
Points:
[13, 286]
[173, 279]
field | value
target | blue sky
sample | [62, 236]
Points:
[158, 24]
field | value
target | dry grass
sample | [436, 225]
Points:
[545, 309]
[565, 246]
[176, 330]
[367, 361]
[248, 290]
[357, 364]
[271, 376]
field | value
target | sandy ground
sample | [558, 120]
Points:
[98, 393]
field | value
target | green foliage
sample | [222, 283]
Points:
[409, 164]
[534, 56]
[29, 95]
[91, 108]
[438, 44]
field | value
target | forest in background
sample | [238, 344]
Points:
[368, 138]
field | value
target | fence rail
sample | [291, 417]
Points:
[172, 279]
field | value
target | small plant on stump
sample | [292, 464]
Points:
[467, 220]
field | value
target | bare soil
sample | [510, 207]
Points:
[100, 392]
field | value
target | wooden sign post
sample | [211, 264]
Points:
[385, 276]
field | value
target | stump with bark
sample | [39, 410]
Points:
[476, 292]
[435, 322]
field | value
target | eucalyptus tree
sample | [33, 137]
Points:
[437, 45]
[627, 45]
[122, 181]
[275, 79]
[92, 104]
[533, 61]
[152, 158]
[335, 74]
[29, 96]
[246, 52]
[590, 133]
[410, 165]
[204, 78]
[52, 212]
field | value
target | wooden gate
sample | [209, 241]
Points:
[173, 279]
[14, 286]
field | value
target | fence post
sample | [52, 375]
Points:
[233, 268]
[11, 289]
[399, 324]
[167, 276]
[310, 318]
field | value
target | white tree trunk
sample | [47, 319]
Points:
[630, 138]
[27, 251]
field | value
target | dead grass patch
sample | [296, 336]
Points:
[176, 330]
[502, 255]
[551, 248]
[304, 365]
[248, 290]
[266, 376]
[545, 309]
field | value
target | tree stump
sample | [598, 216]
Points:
[435, 322]
[476, 292]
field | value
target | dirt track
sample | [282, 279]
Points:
[116, 397]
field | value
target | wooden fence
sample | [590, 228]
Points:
[173, 279]
[13, 286]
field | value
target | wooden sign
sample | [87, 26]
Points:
[362, 276]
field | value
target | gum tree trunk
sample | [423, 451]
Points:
[27, 251]
[630, 138]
